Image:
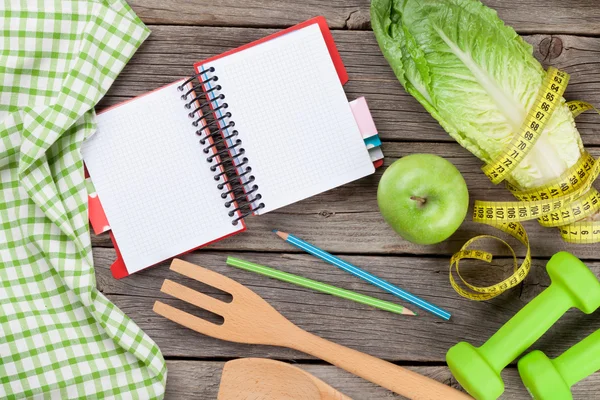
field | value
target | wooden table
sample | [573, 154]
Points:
[346, 221]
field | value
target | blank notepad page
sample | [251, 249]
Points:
[293, 117]
[153, 180]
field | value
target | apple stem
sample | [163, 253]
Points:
[420, 200]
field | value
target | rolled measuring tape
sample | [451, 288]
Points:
[561, 203]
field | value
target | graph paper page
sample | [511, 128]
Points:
[153, 180]
[293, 117]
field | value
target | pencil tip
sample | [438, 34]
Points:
[282, 235]
[410, 312]
[274, 231]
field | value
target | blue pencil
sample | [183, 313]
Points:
[372, 279]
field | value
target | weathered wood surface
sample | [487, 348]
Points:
[424, 338]
[200, 380]
[551, 16]
[347, 220]
[171, 51]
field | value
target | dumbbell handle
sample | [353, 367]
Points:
[527, 326]
[580, 361]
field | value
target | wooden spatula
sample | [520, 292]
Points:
[262, 379]
[250, 319]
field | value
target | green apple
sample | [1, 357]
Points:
[423, 197]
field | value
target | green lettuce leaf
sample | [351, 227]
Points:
[477, 77]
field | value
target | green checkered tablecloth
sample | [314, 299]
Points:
[59, 336]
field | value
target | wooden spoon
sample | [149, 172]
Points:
[262, 379]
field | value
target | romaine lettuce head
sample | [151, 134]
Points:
[477, 77]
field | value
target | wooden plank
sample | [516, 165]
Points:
[555, 16]
[347, 220]
[170, 52]
[200, 379]
[424, 338]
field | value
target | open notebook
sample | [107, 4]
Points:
[264, 126]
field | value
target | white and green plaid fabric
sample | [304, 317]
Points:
[59, 336]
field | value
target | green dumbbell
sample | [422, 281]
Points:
[552, 379]
[478, 369]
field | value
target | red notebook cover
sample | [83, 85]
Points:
[97, 216]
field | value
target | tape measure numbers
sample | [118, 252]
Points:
[561, 203]
[552, 90]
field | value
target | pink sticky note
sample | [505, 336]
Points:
[363, 117]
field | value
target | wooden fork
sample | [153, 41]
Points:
[250, 319]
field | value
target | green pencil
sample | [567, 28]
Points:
[318, 286]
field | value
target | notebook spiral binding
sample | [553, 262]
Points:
[206, 105]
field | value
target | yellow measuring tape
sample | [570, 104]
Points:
[553, 87]
[560, 203]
